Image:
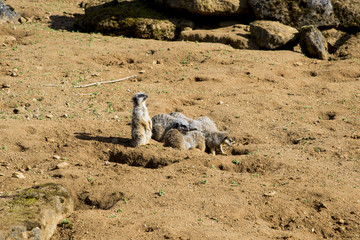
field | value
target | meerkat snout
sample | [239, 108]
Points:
[228, 141]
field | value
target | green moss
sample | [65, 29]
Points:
[25, 207]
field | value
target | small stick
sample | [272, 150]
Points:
[98, 83]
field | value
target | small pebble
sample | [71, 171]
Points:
[57, 157]
[62, 165]
[270, 194]
[107, 163]
[18, 175]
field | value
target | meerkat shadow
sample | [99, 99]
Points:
[126, 142]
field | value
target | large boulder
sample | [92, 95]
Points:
[296, 13]
[208, 7]
[236, 36]
[7, 13]
[128, 18]
[34, 212]
[313, 43]
[273, 34]
[348, 13]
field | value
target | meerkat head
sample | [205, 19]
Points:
[181, 125]
[228, 140]
[139, 98]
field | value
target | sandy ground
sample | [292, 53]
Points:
[293, 172]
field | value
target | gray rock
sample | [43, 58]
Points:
[296, 13]
[7, 13]
[273, 34]
[313, 43]
[209, 7]
[236, 36]
[34, 213]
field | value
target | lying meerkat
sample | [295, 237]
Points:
[214, 139]
[193, 124]
[195, 139]
[164, 122]
[192, 139]
[207, 124]
[175, 139]
[141, 125]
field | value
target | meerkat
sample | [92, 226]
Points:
[191, 140]
[175, 139]
[207, 124]
[164, 122]
[193, 124]
[141, 125]
[195, 139]
[214, 139]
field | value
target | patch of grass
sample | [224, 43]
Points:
[236, 162]
[161, 193]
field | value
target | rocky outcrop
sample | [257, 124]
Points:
[348, 13]
[313, 43]
[208, 7]
[236, 36]
[273, 34]
[296, 13]
[127, 18]
[7, 13]
[350, 49]
[34, 213]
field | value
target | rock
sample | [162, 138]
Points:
[7, 13]
[56, 157]
[128, 18]
[5, 85]
[313, 43]
[49, 116]
[270, 194]
[62, 165]
[18, 175]
[348, 13]
[296, 13]
[34, 212]
[273, 34]
[335, 38]
[236, 36]
[350, 49]
[209, 7]
[19, 110]
[7, 39]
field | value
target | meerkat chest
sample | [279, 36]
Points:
[141, 112]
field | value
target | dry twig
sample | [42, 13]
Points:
[98, 83]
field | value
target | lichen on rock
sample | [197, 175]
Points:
[128, 18]
[34, 212]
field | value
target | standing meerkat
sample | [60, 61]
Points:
[141, 125]
[192, 139]
[213, 141]
[164, 122]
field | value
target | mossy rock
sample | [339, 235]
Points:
[127, 18]
[34, 212]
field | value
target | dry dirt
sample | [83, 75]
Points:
[293, 172]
